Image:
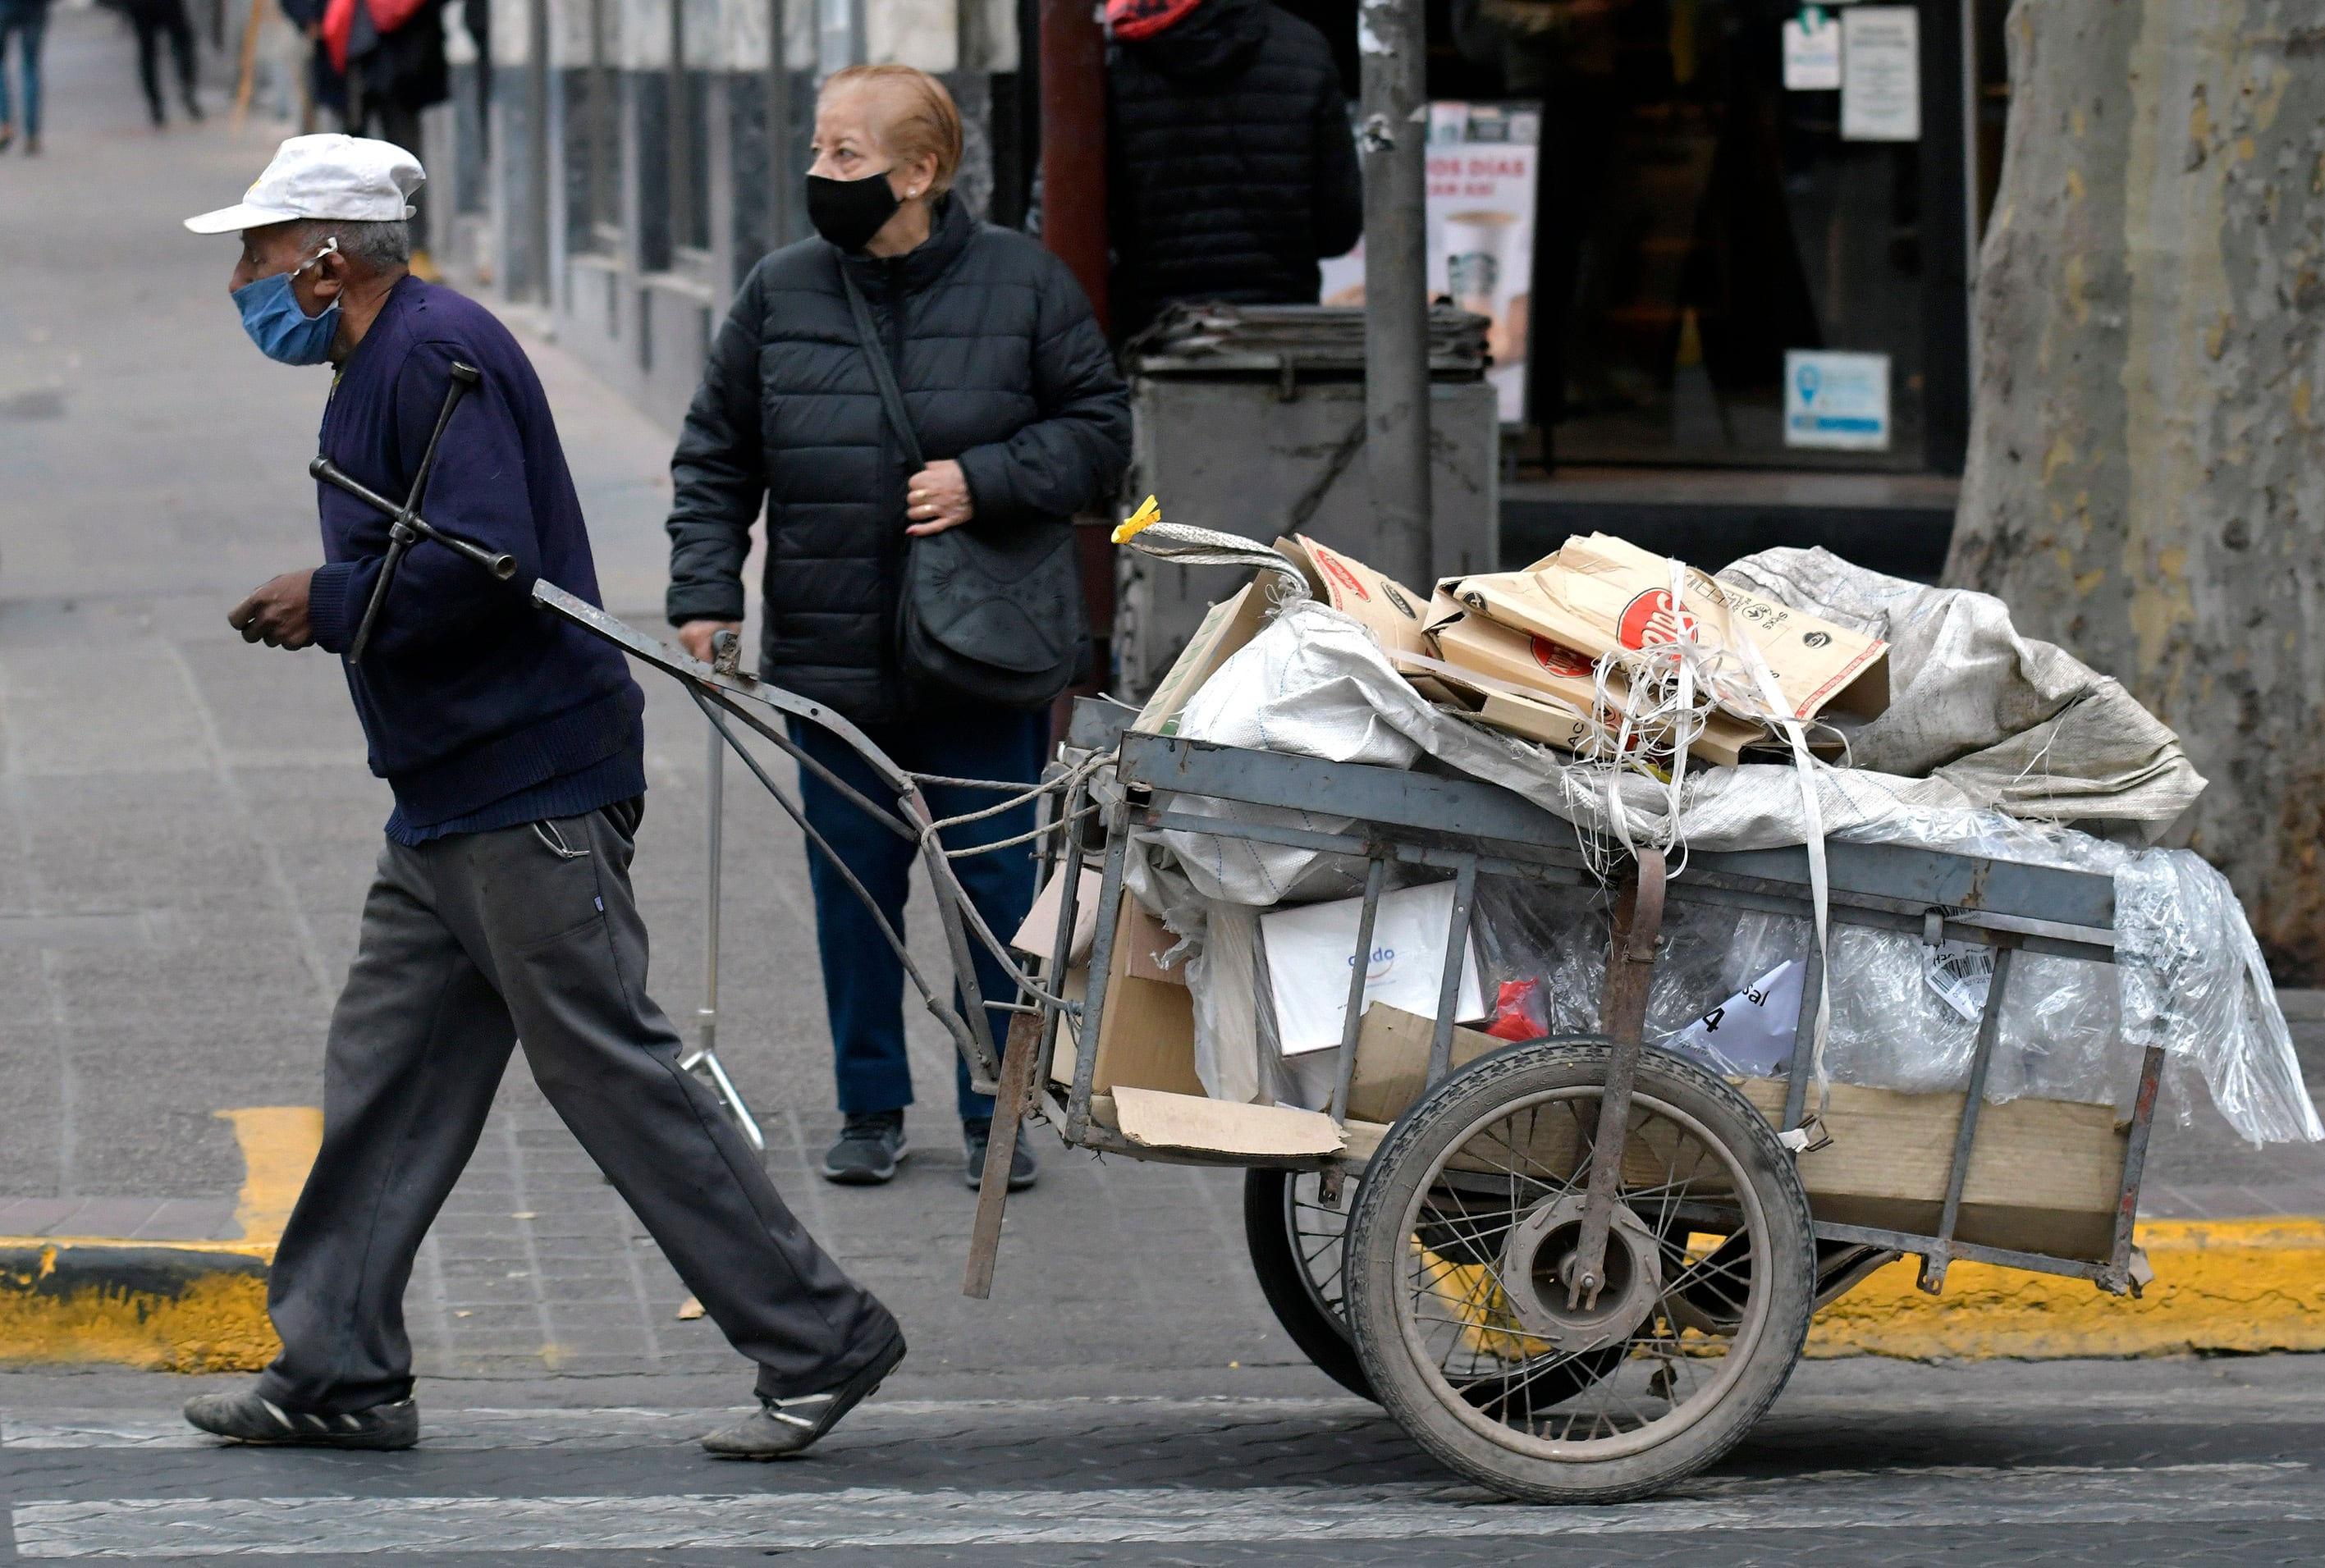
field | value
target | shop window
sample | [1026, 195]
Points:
[1716, 249]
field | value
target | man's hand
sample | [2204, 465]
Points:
[275, 614]
[695, 636]
[937, 499]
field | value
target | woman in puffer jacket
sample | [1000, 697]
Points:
[1022, 420]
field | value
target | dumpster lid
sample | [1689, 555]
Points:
[1190, 337]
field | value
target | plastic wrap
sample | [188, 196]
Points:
[1889, 1028]
[2194, 982]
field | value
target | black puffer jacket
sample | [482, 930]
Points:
[1231, 168]
[1003, 369]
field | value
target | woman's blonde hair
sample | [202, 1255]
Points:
[927, 123]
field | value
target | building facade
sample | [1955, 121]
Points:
[620, 165]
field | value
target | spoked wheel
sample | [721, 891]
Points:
[1460, 1255]
[1295, 1240]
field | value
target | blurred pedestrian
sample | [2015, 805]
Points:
[25, 21]
[390, 56]
[502, 907]
[326, 87]
[1018, 421]
[1231, 164]
[154, 21]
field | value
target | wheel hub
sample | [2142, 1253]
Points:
[1538, 1263]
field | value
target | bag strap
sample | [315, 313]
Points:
[883, 373]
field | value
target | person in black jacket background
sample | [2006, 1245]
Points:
[1231, 167]
[1021, 415]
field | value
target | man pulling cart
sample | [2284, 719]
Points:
[502, 909]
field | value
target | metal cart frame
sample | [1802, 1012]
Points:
[1471, 827]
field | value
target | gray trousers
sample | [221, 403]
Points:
[469, 943]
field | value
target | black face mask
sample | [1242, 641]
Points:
[849, 212]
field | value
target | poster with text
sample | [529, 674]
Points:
[1481, 214]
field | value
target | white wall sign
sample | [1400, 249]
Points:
[1880, 74]
[1813, 52]
[1839, 402]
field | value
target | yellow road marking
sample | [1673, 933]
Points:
[278, 1149]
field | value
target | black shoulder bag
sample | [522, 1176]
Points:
[988, 610]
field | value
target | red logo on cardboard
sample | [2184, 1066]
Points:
[1339, 574]
[1559, 659]
[1650, 618]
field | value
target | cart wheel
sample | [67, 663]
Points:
[1294, 1238]
[1455, 1299]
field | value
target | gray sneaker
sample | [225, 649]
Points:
[247, 1418]
[780, 1428]
[975, 1137]
[867, 1151]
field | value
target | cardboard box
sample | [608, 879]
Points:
[1148, 939]
[2044, 1173]
[1144, 1084]
[1393, 1060]
[1567, 680]
[1226, 628]
[1600, 593]
[1386, 608]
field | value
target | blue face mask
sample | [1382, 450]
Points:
[283, 331]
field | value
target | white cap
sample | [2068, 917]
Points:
[327, 176]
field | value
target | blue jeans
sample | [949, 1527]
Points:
[24, 24]
[863, 983]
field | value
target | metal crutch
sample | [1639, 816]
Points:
[703, 1060]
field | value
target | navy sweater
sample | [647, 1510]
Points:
[480, 711]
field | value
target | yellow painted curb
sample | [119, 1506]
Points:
[169, 1306]
[2220, 1284]
[156, 1308]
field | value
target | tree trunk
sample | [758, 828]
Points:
[2146, 477]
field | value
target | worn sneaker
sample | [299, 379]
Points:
[976, 1134]
[867, 1151]
[780, 1428]
[247, 1418]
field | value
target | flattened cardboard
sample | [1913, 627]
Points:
[1156, 1120]
[1386, 608]
[1226, 628]
[1599, 594]
[2044, 1173]
[1039, 929]
[1566, 678]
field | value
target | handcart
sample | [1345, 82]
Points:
[1574, 1269]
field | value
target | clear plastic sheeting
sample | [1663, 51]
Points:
[2194, 982]
[2062, 1033]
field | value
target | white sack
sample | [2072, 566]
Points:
[2014, 724]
